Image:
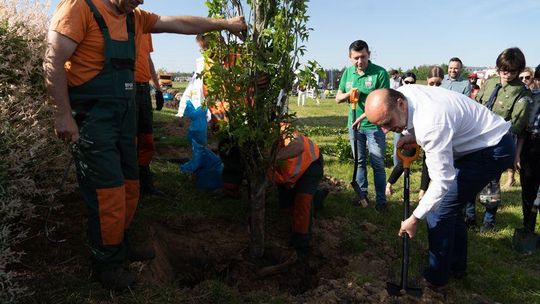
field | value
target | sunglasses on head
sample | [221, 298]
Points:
[525, 77]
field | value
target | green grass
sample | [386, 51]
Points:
[495, 271]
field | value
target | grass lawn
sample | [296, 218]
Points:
[495, 272]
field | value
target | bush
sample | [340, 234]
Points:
[31, 156]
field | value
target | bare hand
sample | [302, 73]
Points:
[237, 25]
[517, 163]
[357, 122]
[408, 226]
[406, 142]
[65, 127]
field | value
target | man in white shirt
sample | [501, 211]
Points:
[466, 146]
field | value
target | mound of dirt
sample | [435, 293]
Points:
[192, 251]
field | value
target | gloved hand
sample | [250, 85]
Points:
[159, 100]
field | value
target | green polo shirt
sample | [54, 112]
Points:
[512, 102]
[374, 77]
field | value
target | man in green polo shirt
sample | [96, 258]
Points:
[366, 77]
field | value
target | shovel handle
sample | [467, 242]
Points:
[353, 98]
[407, 160]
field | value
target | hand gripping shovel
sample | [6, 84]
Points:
[407, 157]
[524, 240]
[353, 99]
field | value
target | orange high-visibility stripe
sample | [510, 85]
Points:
[219, 111]
[302, 213]
[296, 166]
[132, 199]
[145, 148]
[112, 213]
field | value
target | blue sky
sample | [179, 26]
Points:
[399, 33]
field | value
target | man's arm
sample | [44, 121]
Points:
[481, 93]
[468, 89]
[294, 148]
[197, 25]
[59, 50]
[155, 79]
[384, 80]
[520, 114]
[342, 97]
[437, 145]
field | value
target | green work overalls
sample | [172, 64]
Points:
[105, 155]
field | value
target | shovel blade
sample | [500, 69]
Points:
[397, 290]
[524, 241]
[394, 289]
[362, 201]
[414, 291]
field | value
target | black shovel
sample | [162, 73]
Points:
[524, 240]
[353, 99]
[407, 157]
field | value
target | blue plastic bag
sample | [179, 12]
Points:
[167, 96]
[198, 128]
[207, 166]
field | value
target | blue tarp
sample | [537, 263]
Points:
[198, 128]
[206, 165]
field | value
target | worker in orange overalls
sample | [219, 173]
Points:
[297, 173]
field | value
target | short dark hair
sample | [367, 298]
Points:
[410, 74]
[393, 72]
[511, 59]
[393, 96]
[435, 71]
[358, 46]
[537, 72]
[455, 59]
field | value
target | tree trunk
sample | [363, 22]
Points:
[257, 198]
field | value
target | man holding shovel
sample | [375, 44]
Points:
[364, 76]
[89, 66]
[462, 156]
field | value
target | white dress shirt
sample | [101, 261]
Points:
[447, 125]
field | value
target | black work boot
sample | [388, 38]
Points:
[115, 278]
[147, 182]
[141, 253]
[470, 222]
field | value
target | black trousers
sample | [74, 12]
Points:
[530, 178]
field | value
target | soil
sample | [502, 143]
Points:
[192, 251]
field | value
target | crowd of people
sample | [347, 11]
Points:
[469, 135]
[103, 108]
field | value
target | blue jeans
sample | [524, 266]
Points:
[447, 233]
[374, 140]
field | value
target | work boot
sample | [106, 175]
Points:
[141, 253]
[470, 223]
[115, 278]
[487, 227]
[361, 202]
[147, 182]
[424, 283]
[382, 208]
